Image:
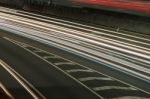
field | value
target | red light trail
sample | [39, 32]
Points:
[142, 5]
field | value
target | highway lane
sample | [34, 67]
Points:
[44, 69]
[49, 81]
[128, 52]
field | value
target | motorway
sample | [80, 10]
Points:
[47, 79]
[126, 53]
[51, 76]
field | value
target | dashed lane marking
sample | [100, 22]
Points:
[104, 78]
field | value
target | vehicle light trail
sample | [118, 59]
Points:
[74, 68]
[99, 48]
[7, 68]
[132, 4]
[81, 34]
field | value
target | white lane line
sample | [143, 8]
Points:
[65, 63]
[131, 97]
[112, 87]
[84, 79]
[37, 51]
[6, 91]
[79, 70]
[13, 41]
[50, 57]
[47, 57]
[7, 68]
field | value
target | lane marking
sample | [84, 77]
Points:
[84, 79]
[112, 87]
[50, 57]
[78, 70]
[65, 63]
[131, 97]
[15, 42]
[36, 51]
[62, 71]
[67, 75]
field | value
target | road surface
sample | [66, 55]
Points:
[122, 56]
[58, 78]
[47, 79]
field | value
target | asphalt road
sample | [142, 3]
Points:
[48, 80]
[12, 85]
[65, 80]
[108, 50]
